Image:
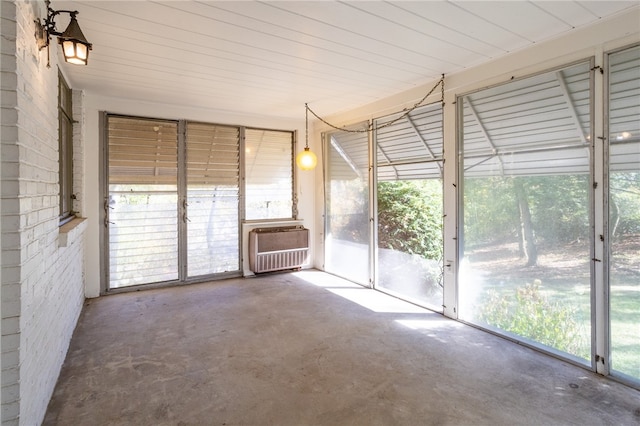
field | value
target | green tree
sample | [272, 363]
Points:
[559, 207]
[410, 217]
[490, 210]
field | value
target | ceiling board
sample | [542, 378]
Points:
[270, 58]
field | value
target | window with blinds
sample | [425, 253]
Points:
[141, 208]
[212, 198]
[269, 174]
[173, 195]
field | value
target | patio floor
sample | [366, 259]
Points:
[307, 348]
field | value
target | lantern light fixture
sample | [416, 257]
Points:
[75, 46]
[306, 159]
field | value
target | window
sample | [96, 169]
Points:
[347, 230]
[409, 164]
[173, 198]
[525, 267]
[624, 211]
[65, 150]
[269, 174]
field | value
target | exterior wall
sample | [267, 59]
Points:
[10, 273]
[42, 264]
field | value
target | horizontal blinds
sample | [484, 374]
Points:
[213, 170]
[269, 174]
[212, 154]
[142, 151]
[143, 214]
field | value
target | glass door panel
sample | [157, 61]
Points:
[142, 201]
[347, 203]
[525, 261]
[409, 206]
[624, 211]
[212, 199]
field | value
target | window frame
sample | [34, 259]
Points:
[65, 151]
[294, 204]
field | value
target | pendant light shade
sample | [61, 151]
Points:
[306, 160]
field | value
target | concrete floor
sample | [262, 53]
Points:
[309, 349]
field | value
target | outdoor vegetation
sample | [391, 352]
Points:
[410, 217]
[410, 238]
[527, 241]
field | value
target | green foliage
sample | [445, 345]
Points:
[490, 210]
[558, 205]
[625, 205]
[348, 202]
[410, 217]
[530, 314]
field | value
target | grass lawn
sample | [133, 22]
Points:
[563, 278]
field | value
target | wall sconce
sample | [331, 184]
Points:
[75, 46]
[306, 160]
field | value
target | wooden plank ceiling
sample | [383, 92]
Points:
[270, 58]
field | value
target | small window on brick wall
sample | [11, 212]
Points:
[65, 149]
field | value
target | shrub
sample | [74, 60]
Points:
[530, 314]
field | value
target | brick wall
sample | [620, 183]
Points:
[10, 292]
[42, 269]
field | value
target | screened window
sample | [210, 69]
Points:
[525, 267]
[348, 234]
[624, 211]
[269, 174]
[65, 150]
[409, 162]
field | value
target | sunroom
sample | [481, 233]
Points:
[477, 159]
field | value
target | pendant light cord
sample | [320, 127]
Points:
[405, 111]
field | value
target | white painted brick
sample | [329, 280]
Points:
[10, 342]
[10, 293]
[11, 325]
[10, 410]
[43, 285]
[11, 393]
[9, 115]
[10, 275]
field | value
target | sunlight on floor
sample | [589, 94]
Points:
[367, 298]
[429, 323]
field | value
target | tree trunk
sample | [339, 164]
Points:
[526, 227]
[614, 217]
